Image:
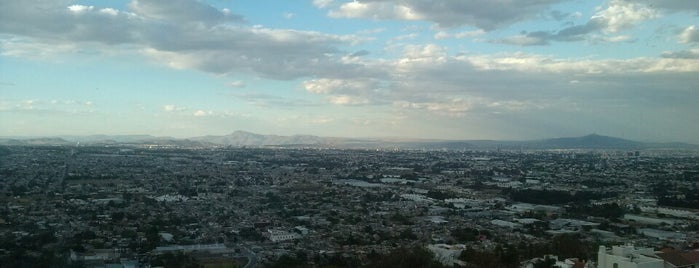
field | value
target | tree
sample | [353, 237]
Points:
[416, 257]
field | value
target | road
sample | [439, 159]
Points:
[252, 257]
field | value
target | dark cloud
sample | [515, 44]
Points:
[182, 33]
[360, 53]
[484, 14]
[675, 5]
[619, 15]
[682, 54]
[184, 11]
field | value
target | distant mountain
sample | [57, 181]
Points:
[35, 141]
[113, 138]
[592, 141]
[101, 140]
[244, 138]
[249, 139]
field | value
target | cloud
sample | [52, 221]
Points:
[200, 113]
[677, 5]
[484, 14]
[322, 3]
[184, 34]
[182, 11]
[348, 91]
[684, 54]
[173, 108]
[560, 16]
[689, 35]
[619, 15]
[452, 107]
[237, 84]
[266, 100]
[427, 82]
[360, 53]
[321, 120]
[525, 40]
[347, 100]
[374, 10]
[80, 8]
[326, 85]
[39, 106]
[459, 35]
[623, 14]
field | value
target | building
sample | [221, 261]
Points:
[628, 257]
[683, 259]
[278, 235]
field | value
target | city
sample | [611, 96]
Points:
[349, 133]
[160, 206]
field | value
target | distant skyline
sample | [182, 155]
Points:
[456, 69]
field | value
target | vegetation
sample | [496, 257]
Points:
[608, 211]
[416, 257]
[553, 197]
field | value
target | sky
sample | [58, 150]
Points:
[451, 69]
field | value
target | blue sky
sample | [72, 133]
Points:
[466, 69]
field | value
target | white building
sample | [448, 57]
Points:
[278, 235]
[628, 257]
[662, 234]
[447, 254]
[506, 224]
[417, 198]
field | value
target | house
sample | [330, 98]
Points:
[684, 259]
[628, 257]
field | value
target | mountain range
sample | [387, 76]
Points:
[249, 139]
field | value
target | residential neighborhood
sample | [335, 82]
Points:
[151, 206]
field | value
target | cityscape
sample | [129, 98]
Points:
[163, 205]
[349, 133]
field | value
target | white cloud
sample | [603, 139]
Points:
[80, 8]
[29, 48]
[374, 10]
[326, 85]
[50, 107]
[442, 35]
[537, 63]
[689, 35]
[173, 108]
[451, 107]
[430, 52]
[322, 120]
[109, 11]
[200, 113]
[467, 34]
[459, 35]
[237, 84]
[347, 100]
[322, 3]
[618, 38]
[623, 14]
